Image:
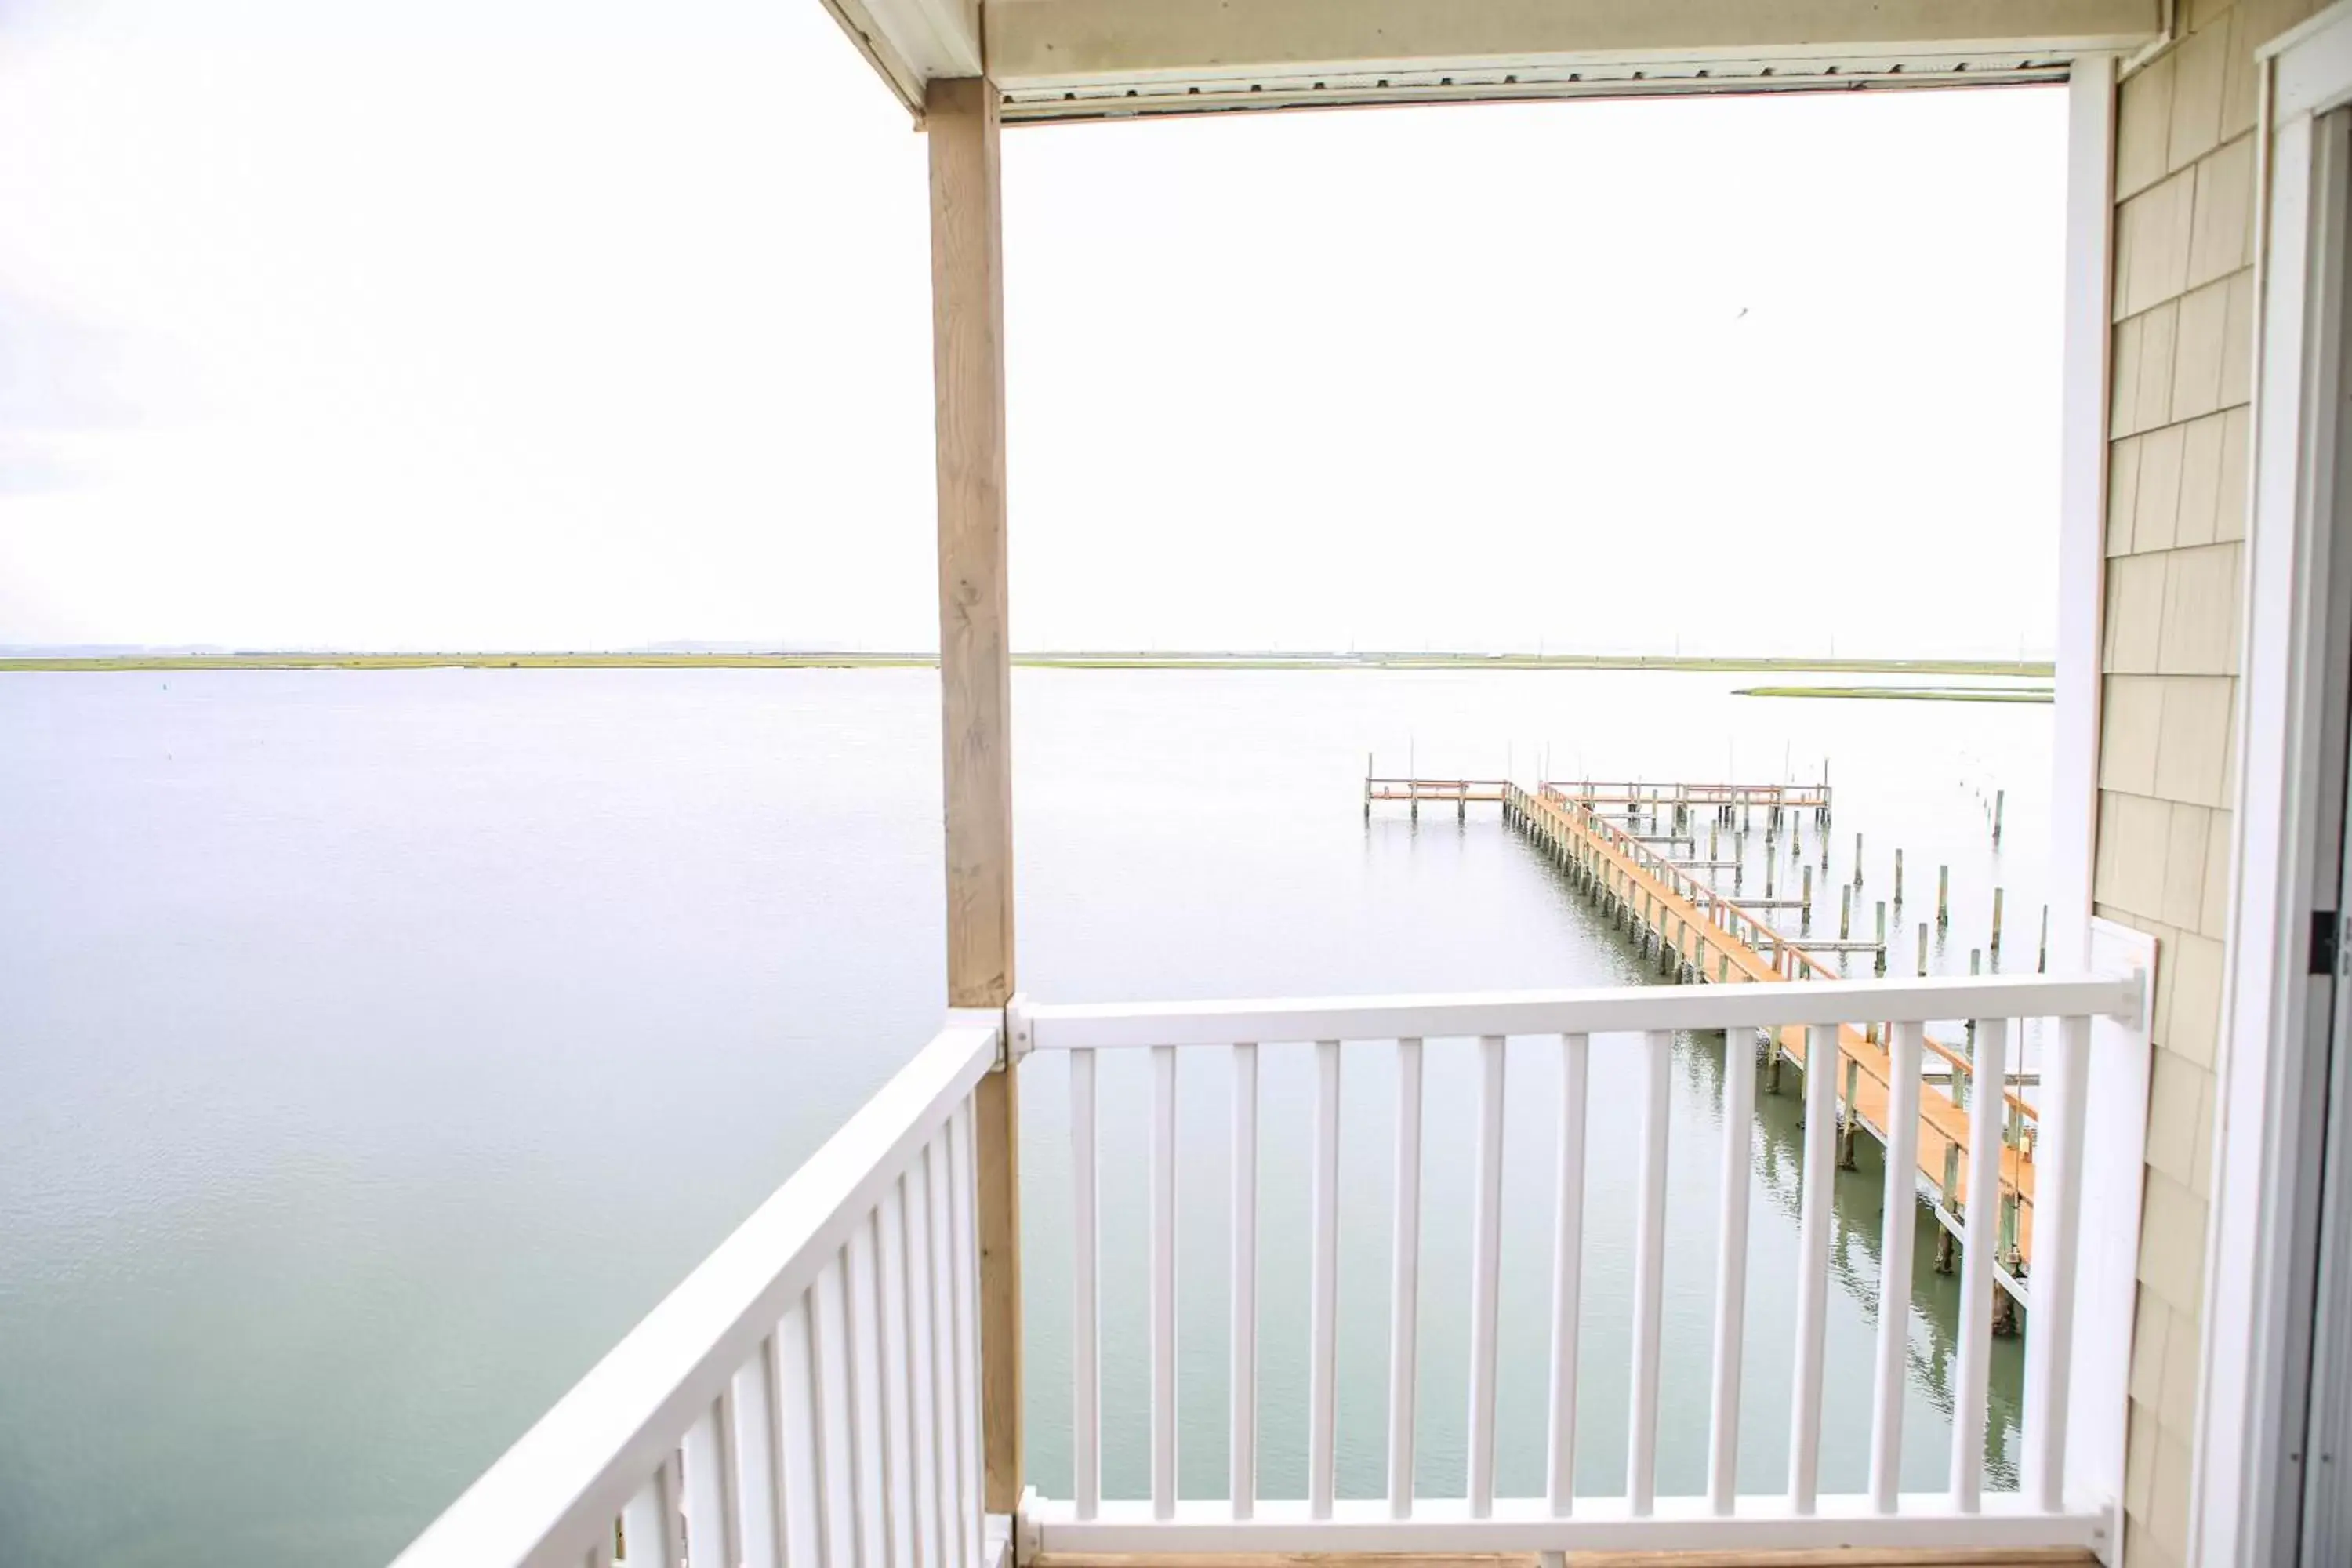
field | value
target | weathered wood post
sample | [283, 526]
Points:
[1923, 947]
[1852, 1116]
[1943, 897]
[1996, 922]
[976, 700]
[1899, 878]
[1882, 936]
[1999, 800]
[2042, 957]
[1845, 915]
[1857, 859]
[1949, 1201]
[1806, 908]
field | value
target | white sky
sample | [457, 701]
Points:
[576, 323]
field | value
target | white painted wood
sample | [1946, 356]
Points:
[1900, 1203]
[1242, 1443]
[2247, 1387]
[2057, 1214]
[1978, 1259]
[709, 1538]
[563, 1483]
[1364, 1019]
[959, 1487]
[2106, 1263]
[1163, 1282]
[867, 1460]
[1404, 1279]
[2082, 504]
[1485, 1271]
[806, 1437]
[1731, 1266]
[1567, 1274]
[897, 1358]
[1085, 1412]
[835, 1401]
[1444, 1525]
[963, 1143]
[1323, 1286]
[1649, 1272]
[641, 1529]
[932, 1478]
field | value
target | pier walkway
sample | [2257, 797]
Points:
[1699, 934]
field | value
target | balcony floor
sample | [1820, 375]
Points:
[2039, 1558]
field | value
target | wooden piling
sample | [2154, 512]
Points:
[1899, 878]
[1923, 947]
[2000, 800]
[1857, 859]
[1845, 914]
[1806, 908]
[1849, 1118]
[1943, 897]
[1882, 936]
[1996, 922]
[2042, 957]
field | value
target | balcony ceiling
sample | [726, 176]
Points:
[1087, 60]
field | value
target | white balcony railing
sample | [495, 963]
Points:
[810, 1395]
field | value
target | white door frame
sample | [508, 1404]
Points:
[2260, 1142]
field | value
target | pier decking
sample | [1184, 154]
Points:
[1701, 934]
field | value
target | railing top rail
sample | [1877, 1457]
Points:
[1594, 1011]
[572, 1473]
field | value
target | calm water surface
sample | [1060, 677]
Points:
[376, 1047]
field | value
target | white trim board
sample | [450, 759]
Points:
[2238, 1468]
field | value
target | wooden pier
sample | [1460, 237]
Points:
[1699, 934]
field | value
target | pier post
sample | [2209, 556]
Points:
[1923, 947]
[2000, 800]
[1949, 1203]
[1771, 1040]
[1857, 859]
[1882, 936]
[1845, 915]
[1996, 922]
[1806, 908]
[1852, 1117]
[1899, 878]
[975, 700]
[1943, 897]
[2041, 958]
[1968, 1035]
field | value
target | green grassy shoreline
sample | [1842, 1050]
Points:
[1908, 693]
[1433, 661]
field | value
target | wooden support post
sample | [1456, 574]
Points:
[1857, 859]
[1996, 922]
[2000, 802]
[1943, 897]
[1923, 947]
[2041, 958]
[1882, 936]
[1949, 1201]
[1805, 908]
[1845, 915]
[976, 700]
[1899, 878]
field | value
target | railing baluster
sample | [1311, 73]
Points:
[1163, 1282]
[898, 1402]
[1731, 1266]
[1485, 1274]
[1649, 1274]
[922, 1371]
[2057, 1217]
[1243, 1446]
[969, 1520]
[861, 1300]
[670, 1487]
[1085, 1411]
[1822, 1053]
[1977, 1260]
[809, 1471]
[1404, 1279]
[1323, 1291]
[641, 1525]
[1900, 1205]
[1567, 1273]
[782, 1511]
[958, 1485]
[707, 1489]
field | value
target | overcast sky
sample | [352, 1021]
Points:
[577, 323]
